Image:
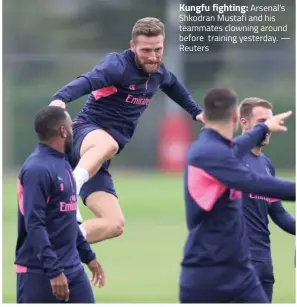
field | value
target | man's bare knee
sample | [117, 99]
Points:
[109, 216]
[113, 149]
[118, 227]
[102, 141]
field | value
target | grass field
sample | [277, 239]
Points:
[143, 264]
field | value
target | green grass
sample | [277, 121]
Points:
[143, 264]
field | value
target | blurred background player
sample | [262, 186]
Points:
[50, 246]
[257, 208]
[120, 87]
[216, 267]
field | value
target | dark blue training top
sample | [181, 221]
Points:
[49, 239]
[257, 208]
[213, 179]
[119, 93]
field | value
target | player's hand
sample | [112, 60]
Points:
[276, 123]
[200, 118]
[60, 287]
[97, 273]
[58, 103]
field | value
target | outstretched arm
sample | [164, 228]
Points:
[244, 143]
[106, 73]
[226, 171]
[175, 90]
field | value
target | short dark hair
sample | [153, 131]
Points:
[47, 121]
[248, 104]
[219, 103]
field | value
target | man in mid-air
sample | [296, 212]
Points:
[120, 88]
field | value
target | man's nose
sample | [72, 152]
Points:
[153, 56]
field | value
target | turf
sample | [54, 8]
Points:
[142, 265]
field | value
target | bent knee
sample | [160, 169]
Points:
[109, 151]
[95, 140]
[113, 148]
[118, 227]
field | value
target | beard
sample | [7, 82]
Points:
[147, 66]
[68, 146]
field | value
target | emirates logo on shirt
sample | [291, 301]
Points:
[137, 100]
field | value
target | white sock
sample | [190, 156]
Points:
[83, 231]
[81, 176]
[79, 218]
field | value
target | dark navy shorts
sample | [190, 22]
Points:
[221, 285]
[36, 288]
[266, 276]
[102, 181]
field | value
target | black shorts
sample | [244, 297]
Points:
[102, 181]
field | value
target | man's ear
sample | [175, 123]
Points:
[63, 132]
[132, 45]
[244, 123]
